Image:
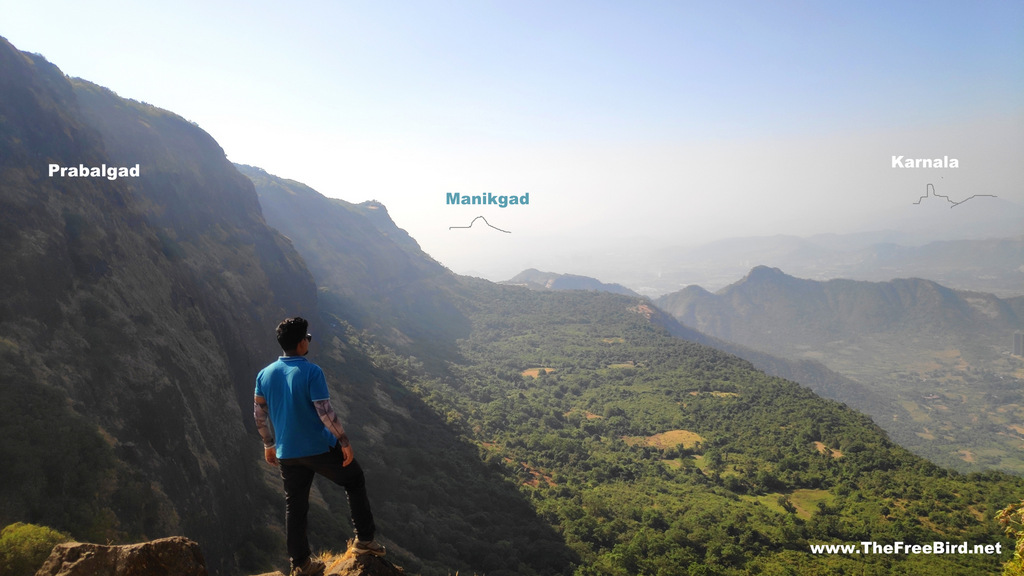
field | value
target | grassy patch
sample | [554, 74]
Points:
[916, 413]
[535, 372]
[823, 449]
[669, 439]
[806, 501]
[586, 414]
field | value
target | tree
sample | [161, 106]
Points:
[24, 547]
[1012, 520]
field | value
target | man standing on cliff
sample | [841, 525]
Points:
[292, 394]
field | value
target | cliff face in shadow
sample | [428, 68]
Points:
[134, 313]
[374, 275]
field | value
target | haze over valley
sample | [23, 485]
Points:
[758, 294]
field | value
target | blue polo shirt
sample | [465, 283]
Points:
[290, 386]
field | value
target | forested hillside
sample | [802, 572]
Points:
[807, 372]
[654, 455]
[935, 363]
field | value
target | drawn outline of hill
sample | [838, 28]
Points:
[485, 222]
[929, 190]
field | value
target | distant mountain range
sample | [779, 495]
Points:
[993, 264]
[768, 301]
[942, 355]
[537, 280]
[977, 245]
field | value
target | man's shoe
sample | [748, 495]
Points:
[311, 567]
[371, 547]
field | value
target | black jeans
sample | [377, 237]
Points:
[298, 474]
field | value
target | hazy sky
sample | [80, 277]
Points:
[663, 120]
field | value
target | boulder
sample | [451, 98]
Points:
[175, 556]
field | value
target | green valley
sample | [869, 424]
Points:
[775, 467]
[935, 364]
[503, 430]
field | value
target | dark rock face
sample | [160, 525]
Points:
[175, 556]
[143, 308]
[379, 277]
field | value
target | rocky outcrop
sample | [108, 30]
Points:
[350, 564]
[179, 556]
[175, 556]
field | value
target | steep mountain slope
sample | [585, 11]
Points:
[133, 320]
[376, 275]
[942, 355]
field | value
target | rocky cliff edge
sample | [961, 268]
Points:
[178, 556]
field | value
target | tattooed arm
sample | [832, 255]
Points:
[330, 420]
[261, 414]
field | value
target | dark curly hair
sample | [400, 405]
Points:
[290, 332]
